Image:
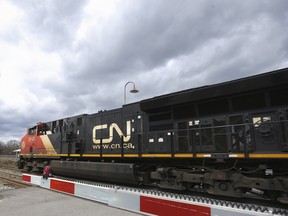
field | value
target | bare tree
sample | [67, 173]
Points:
[9, 147]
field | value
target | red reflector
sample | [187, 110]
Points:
[171, 208]
[66, 187]
[26, 178]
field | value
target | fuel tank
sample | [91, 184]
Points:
[110, 172]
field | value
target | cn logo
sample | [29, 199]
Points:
[112, 127]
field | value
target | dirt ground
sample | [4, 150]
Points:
[7, 162]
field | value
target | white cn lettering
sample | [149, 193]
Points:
[111, 128]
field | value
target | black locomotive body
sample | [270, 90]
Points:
[226, 139]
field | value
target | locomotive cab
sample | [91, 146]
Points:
[31, 142]
[35, 145]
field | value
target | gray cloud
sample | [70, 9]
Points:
[162, 46]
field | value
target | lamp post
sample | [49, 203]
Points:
[134, 90]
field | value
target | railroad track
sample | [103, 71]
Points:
[12, 183]
[9, 167]
[11, 177]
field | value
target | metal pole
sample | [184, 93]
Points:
[134, 90]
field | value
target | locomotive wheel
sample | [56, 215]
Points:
[225, 188]
[28, 168]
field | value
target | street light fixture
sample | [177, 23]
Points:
[134, 90]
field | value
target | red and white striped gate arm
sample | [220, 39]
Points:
[144, 203]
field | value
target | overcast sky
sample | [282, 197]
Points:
[68, 57]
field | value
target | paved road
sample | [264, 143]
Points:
[35, 201]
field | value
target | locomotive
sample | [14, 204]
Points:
[226, 139]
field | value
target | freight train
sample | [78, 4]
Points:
[226, 139]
